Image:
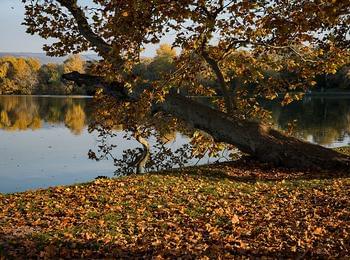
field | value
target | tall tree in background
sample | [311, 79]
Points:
[18, 75]
[154, 69]
[237, 41]
[74, 63]
[162, 64]
[50, 77]
[26, 76]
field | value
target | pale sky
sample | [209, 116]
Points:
[13, 35]
[15, 39]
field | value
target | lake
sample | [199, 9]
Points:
[44, 140]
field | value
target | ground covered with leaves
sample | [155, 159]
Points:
[227, 210]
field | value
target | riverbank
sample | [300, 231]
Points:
[227, 210]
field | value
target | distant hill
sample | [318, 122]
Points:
[44, 59]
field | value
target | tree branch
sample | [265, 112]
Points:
[84, 27]
[228, 97]
[256, 139]
[115, 89]
[85, 30]
[248, 42]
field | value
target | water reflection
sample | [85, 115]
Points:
[19, 113]
[325, 121]
[44, 140]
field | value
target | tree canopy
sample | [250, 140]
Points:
[18, 75]
[241, 47]
[26, 76]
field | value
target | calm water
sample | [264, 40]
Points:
[44, 140]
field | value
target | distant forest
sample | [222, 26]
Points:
[27, 76]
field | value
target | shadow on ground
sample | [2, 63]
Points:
[250, 171]
[12, 247]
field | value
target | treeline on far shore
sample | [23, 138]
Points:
[27, 76]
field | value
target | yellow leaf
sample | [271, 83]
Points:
[318, 231]
[235, 219]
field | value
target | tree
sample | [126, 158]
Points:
[271, 35]
[149, 70]
[49, 77]
[18, 75]
[73, 63]
[162, 64]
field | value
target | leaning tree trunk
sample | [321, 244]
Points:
[256, 139]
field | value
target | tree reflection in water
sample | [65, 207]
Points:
[19, 113]
[325, 121]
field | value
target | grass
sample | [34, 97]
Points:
[227, 210]
[344, 150]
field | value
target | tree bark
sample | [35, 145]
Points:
[256, 139]
[226, 91]
[144, 156]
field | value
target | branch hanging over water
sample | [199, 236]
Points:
[115, 89]
[256, 139]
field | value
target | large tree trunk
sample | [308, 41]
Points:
[256, 139]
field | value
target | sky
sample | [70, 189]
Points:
[15, 39]
[13, 35]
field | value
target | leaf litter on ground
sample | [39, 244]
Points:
[226, 210]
